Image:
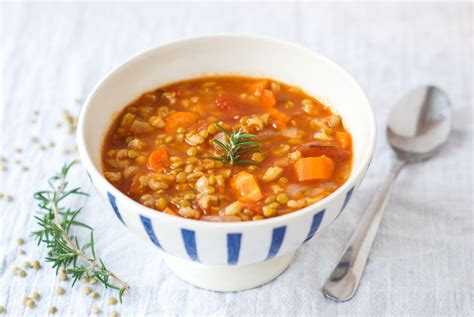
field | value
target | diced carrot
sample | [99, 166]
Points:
[246, 186]
[268, 99]
[278, 115]
[180, 119]
[344, 139]
[170, 211]
[257, 87]
[310, 168]
[158, 159]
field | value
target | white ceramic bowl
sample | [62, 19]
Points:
[227, 256]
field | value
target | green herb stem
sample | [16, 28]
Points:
[64, 248]
[236, 144]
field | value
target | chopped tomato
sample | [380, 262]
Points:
[227, 102]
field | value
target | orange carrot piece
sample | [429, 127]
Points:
[170, 211]
[257, 87]
[246, 186]
[343, 139]
[268, 99]
[180, 119]
[158, 159]
[278, 115]
[310, 168]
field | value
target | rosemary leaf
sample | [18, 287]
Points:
[237, 144]
[55, 224]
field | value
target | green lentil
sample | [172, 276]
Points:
[189, 196]
[212, 129]
[62, 276]
[59, 290]
[268, 211]
[30, 303]
[181, 177]
[112, 300]
[282, 198]
[133, 154]
[184, 203]
[176, 165]
[36, 265]
[192, 160]
[2, 309]
[95, 295]
[269, 199]
[161, 203]
[204, 133]
[36, 295]
[257, 157]
[192, 151]
[95, 310]
[86, 290]
[189, 168]
[141, 159]
[274, 205]
[113, 313]
[53, 310]
[20, 241]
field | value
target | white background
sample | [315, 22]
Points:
[422, 260]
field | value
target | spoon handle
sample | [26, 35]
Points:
[344, 279]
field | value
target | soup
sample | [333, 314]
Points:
[227, 149]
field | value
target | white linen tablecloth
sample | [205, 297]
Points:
[422, 260]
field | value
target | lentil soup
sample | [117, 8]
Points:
[227, 149]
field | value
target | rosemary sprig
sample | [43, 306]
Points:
[235, 146]
[56, 222]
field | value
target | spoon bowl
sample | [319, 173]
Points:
[420, 123]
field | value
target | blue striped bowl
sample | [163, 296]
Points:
[227, 256]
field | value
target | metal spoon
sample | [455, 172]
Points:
[418, 125]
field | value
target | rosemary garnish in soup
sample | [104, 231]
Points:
[235, 145]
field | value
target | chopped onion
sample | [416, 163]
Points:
[296, 190]
[290, 132]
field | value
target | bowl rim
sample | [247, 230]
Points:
[186, 222]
